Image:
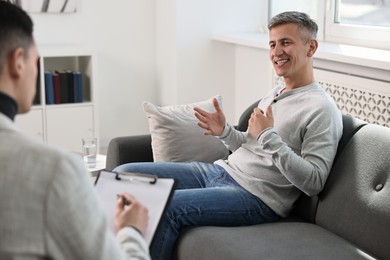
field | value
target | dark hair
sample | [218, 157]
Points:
[301, 19]
[16, 30]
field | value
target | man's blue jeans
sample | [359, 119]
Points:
[205, 195]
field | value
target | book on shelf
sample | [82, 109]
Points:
[49, 88]
[70, 77]
[78, 87]
[56, 87]
[63, 87]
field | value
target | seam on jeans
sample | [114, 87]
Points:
[246, 213]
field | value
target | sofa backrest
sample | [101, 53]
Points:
[243, 121]
[355, 203]
[306, 206]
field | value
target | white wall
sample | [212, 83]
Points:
[123, 35]
[190, 66]
[159, 51]
[253, 77]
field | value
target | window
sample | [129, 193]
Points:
[364, 12]
[356, 22]
[360, 22]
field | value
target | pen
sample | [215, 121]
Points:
[124, 199]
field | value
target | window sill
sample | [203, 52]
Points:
[348, 54]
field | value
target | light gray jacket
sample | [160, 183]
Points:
[49, 209]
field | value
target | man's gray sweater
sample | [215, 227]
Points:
[293, 156]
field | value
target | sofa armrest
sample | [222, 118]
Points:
[127, 149]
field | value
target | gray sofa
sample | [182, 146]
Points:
[349, 219]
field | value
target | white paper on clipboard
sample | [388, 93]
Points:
[153, 193]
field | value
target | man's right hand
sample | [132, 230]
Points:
[212, 123]
[134, 214]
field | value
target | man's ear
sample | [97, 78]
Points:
[16, 62]
[313, 45]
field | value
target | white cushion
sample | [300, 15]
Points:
[176, 137]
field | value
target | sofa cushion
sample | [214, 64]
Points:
[355, 202]
[279, 240]
[176, 137]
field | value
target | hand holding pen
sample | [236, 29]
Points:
[130, 212]
[125, 201]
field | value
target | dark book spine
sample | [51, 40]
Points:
[49, 88]
[57, 88]
[78, 87]
[69, 75]
[64, 87]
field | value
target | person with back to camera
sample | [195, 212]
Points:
[288, 148]
[48, 207]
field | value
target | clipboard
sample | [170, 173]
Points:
[153, 192]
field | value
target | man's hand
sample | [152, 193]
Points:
[129, 212]
[212, 123]
[260, 121]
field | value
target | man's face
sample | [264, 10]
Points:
[289, 54]
[28, 80]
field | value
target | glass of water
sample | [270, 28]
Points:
[89, 151]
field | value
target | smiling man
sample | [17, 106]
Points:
[288, 148]
[292, 46]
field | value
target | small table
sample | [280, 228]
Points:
[100, 165]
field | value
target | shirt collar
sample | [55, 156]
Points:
[8, 106]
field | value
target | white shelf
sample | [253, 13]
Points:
[64, 124]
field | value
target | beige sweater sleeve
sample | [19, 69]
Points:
[76, 226]
[133, 243]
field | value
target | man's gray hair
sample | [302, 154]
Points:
[301, 19]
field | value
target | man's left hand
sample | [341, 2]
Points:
[260, 121]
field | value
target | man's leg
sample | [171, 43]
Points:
[222, 203]
[186, 175]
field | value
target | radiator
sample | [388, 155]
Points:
[363, 98]
[367, 99]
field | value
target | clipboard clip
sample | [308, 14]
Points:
[137, 176]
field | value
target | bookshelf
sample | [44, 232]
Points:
[63, 124]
